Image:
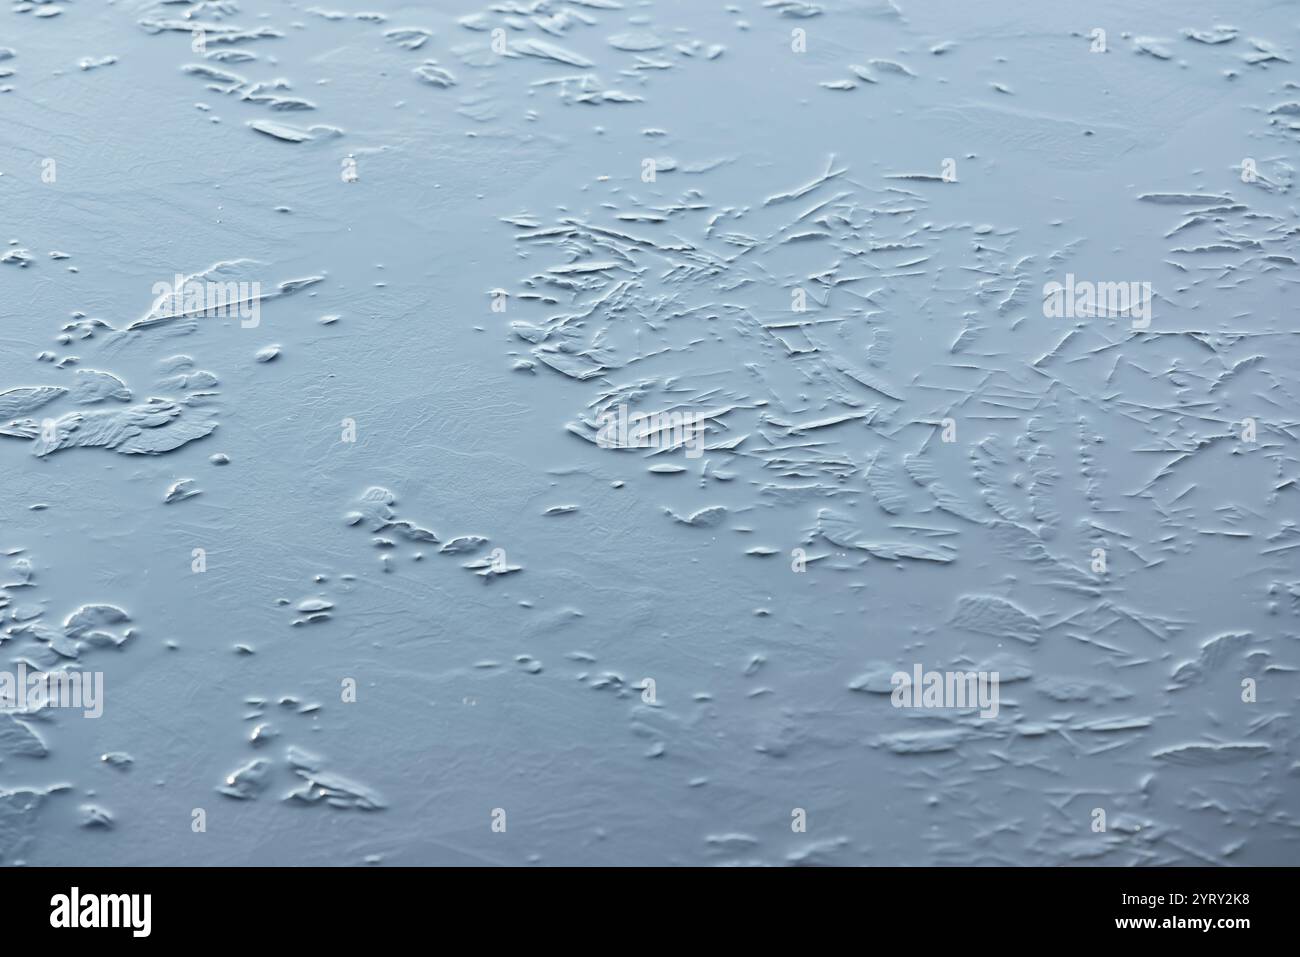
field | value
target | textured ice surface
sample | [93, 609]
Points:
[368, 581]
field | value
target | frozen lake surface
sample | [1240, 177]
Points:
[540, 432]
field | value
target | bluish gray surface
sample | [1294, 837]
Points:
[824, 228]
